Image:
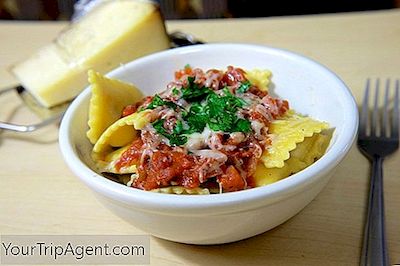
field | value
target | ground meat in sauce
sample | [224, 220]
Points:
[160, 165]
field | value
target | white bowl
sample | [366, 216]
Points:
[310, 88]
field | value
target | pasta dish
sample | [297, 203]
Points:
[208, 131]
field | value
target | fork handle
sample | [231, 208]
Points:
[374, 251]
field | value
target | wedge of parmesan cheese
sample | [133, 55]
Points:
[113, 33]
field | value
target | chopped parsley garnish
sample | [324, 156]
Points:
[158, 101]
[193, 92]
[242, 125]
[175, 91]
[196, 118]
[219, 112]
[244, 86]
[178, 129]
[222, 110]
[159, 126]
[175, 138]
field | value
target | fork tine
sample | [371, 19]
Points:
[395, 117]
[375, 114]
[362, 130]
[385, 119]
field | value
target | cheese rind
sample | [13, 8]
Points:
[115, 32]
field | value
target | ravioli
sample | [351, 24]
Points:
[170, 163]
[182, 190]
[106, 163]
[109, 98]
[305, 154]
[116, 140]
[286, 132]
[122, 132]
[260, 78]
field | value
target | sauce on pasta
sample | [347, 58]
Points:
[208, 129]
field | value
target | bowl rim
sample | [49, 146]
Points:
[214, 203]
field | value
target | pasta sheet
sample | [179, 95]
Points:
[305, 154]
[182, 190]
[109, 98]
[260, 78]
[119, 135]
[286, 133]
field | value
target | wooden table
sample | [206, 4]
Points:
[40, 195]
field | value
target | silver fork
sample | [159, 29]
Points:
[377, 138]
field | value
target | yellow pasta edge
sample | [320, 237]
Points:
[279, 151]
[180, 190]
[299, 159]
[103, 109]
[136, 121]
[260, 78]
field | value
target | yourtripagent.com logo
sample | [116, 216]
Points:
[78, 249]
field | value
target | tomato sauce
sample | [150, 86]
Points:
[187, 70]
[132, 108]
[231, 180]
[131, 156]
[233, 76]
[164, 166]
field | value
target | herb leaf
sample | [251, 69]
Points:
[221, 111]
[178, 129]
[242, 125]
[158, 101]
[245, 86]
[175, 91]
[192, 91]
[175, 138]
[218, 111]
[159, 127]
[196, 118]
